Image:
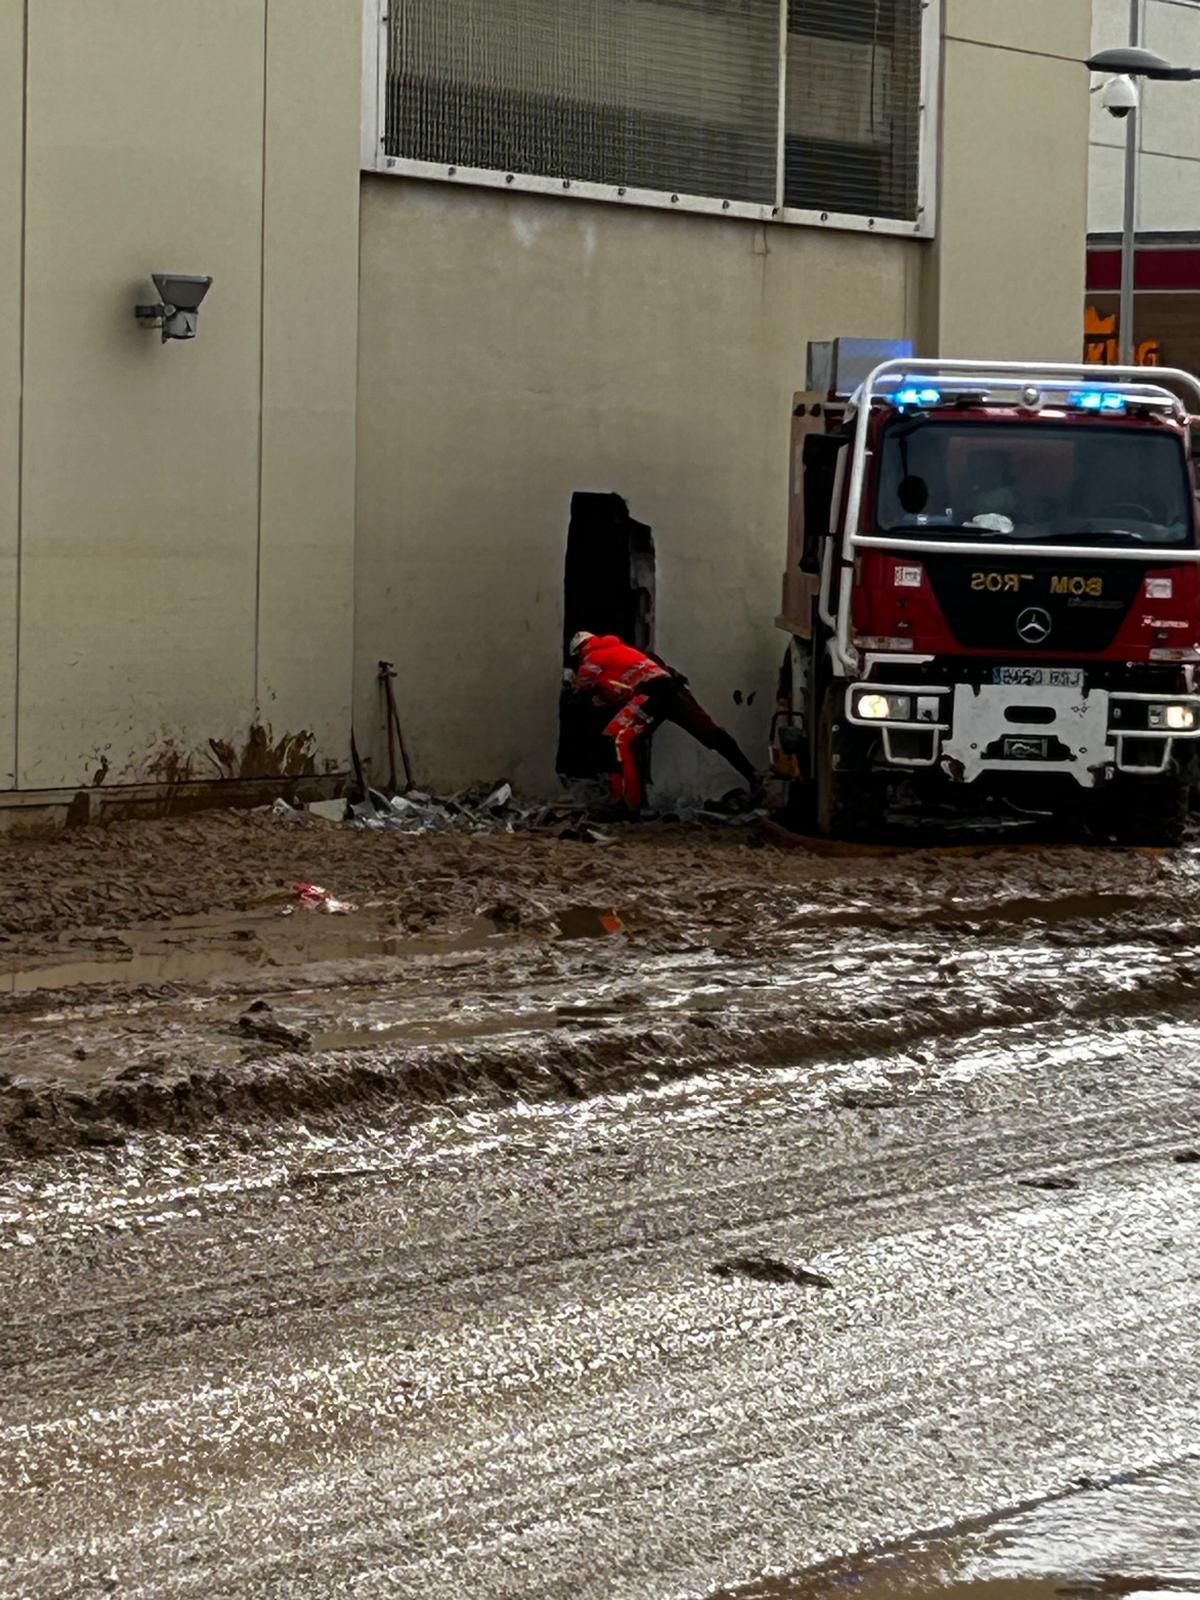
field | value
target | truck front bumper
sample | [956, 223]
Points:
[969, 731]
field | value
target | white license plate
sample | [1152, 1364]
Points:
[1040, 677]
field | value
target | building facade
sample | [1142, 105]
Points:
[1167, 278]
[468, 259]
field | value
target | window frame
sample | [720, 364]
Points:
[375, 159]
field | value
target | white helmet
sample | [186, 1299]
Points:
[578, 642]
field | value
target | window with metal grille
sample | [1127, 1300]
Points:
[768, 104]
[853, 118]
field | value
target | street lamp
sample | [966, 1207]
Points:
[1124, 66]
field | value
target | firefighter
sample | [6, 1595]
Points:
[643, 693]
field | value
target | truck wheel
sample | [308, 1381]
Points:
[1146, 811]
[849, 805]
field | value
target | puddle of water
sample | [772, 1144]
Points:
[202, 951]
[435, 1031]
[1139, 1540]
[166, 967]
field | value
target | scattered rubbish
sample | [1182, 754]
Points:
[588, 922]
[262, 1026]
[327, 810]
[285, 812]
[1052, 1181]
[313, 898]
[1187, 1158]
[769, 1269]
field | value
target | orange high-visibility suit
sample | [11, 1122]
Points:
[644, 694]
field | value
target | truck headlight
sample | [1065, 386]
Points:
[1179, 719]
[884, 707]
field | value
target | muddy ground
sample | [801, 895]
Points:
[374, 1253]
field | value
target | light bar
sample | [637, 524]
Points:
[1096, 400]
[918, 397]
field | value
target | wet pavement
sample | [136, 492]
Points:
[389, 1253]
[1137, 1537]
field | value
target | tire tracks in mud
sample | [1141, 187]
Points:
[572, 1062]
[952, 1142]
[568, 1412]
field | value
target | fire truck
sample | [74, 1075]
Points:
[993, 589]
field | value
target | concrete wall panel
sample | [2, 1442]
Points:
[310, 335]
[1170, 121]
[1012, 243]
[515, 349]
[1106, 189]
[145, 124]
[1048, 27]
[12, 30]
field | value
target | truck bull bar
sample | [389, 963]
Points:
[1055, 378]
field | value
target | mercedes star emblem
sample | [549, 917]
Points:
[1033, 625]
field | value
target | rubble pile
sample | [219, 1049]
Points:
[495, 809]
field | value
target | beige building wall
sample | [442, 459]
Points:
[179, 555]
[514, 349]
[186, 534]
[12, 46]
[1007, 276]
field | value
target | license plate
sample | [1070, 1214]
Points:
[1040, 677]
[1019, 747]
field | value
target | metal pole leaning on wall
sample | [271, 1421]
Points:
[395, 734]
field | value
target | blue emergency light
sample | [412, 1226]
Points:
[1095, 400]
[918, 397]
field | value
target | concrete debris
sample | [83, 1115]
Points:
[492, 808]
[769, 1269]
[480, 809]
[264, 1028]
[328, 810]
[867, 1098]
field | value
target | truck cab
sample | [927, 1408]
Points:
[993, 584]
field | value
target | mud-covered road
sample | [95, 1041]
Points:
[373, 1254]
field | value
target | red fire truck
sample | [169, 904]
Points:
[993, 582]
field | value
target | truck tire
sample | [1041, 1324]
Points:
[1146, 811]
[848, 804]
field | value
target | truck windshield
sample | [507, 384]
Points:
[1026, 482]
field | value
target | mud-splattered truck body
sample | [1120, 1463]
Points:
[993, 581]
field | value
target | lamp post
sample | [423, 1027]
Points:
[1126, 66]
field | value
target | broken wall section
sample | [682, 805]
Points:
[513, 349]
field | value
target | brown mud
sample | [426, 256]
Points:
[571, 1221]
[505, 968]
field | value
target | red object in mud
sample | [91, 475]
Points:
[314, 898]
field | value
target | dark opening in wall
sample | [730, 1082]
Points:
[608, 587]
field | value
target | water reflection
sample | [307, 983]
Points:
[1139, 1540]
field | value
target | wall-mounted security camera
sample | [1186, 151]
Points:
[179, 314]
[1119, 96]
